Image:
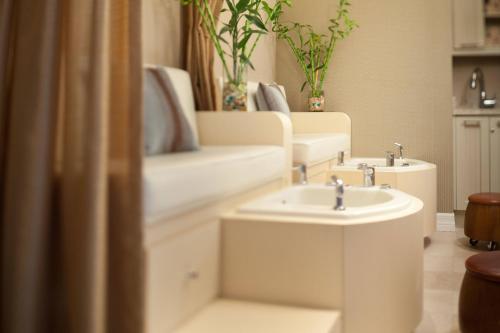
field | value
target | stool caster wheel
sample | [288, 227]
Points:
[473, 242]
[492, 246]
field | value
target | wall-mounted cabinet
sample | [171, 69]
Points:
[477, 157]
[468, 24]
[476, 28]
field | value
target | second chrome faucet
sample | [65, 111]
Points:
[368, 174]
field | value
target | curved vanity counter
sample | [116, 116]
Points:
[404, 165]
[419, 179]
[316, 201]
[293, 248]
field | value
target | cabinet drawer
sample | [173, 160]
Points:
[182, 275]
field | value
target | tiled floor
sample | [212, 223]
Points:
[444, 259]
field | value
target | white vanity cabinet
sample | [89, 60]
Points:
[468, 24]
[477, 157]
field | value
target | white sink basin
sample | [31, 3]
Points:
[319, 200]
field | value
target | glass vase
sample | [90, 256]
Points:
[234, 90]
[316, 102]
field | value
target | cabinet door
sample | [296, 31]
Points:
[495, 154]
[471, 158]
[468, 23]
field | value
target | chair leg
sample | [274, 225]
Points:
[473, 242]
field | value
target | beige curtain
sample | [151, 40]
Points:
[70, 166]
[199, 58]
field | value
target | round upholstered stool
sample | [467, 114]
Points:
[479, 305]
[482, 219]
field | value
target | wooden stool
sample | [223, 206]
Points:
[482, 219]
[479, 305]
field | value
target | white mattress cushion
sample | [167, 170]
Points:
[314, 148]
[176, 183]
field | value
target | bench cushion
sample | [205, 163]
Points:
[315, 148]
[176, 183]
[227, 316]
[166, 125]
[485, 265]
[488, 198]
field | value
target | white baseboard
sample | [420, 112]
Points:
[445, 222]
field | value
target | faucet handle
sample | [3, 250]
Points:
[335, 181]
[340, 158]
[400, 148]
[302, 170]
[362, 166]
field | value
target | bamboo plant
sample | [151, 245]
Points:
[237, 38]
[314, 51]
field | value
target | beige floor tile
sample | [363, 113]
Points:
[459, 265]
[438, 263]
[443, 280]
[441, 301]
[439, 249]
[443, 237]
[438, 323]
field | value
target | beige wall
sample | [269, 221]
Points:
[393, 76]
[161, 32]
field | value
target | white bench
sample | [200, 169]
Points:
[317, 137]
[242, 156]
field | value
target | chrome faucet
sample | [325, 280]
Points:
[339, 192]
[368, 174]
[400, 150]
[484, 101]
[302, 169]
[389, 158]
[340, 158]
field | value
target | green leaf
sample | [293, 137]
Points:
[257, 21]
[267, 9]
[244, 60]
[242, 5]
[303, 86]
[231, 7]
[244, 41]
[224, 29]
[223, 40]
